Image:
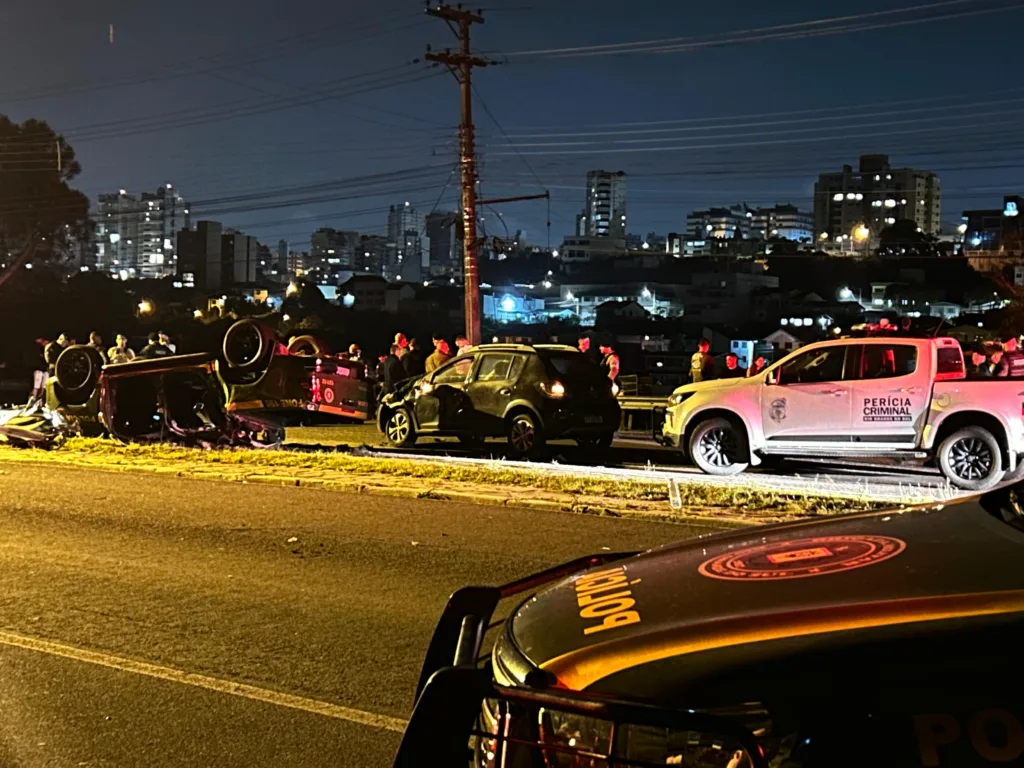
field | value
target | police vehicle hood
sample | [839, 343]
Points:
[715, 384]
[876, 570]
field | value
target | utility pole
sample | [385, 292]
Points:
[461, 65]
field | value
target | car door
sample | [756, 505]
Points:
[891, 394]
[490, 391]
[805, 401]
[440, 401]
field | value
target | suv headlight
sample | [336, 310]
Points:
[679, 397]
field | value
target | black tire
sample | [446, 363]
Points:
[399, 428]
[248, 346]
[596, 443]
[524, 434]
[970, 459]
[717, 447]
[77, 372]
[308, 346]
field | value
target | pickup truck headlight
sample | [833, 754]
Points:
[679, 397]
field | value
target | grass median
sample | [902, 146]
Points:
[424, 478]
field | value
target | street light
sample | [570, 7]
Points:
[861, 233]
[145, 307]
[292, 289]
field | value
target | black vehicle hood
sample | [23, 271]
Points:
[869, 570]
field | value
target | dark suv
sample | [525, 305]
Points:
[527, 394]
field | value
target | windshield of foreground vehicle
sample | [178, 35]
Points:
[572, 368]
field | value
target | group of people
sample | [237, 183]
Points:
[1003, 360]
[159, 345]
[605, 356]
[703, 368]
[407, 359]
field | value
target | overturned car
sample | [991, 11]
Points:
[222, 399]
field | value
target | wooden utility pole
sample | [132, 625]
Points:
[461, 64]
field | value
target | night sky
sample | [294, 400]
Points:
[279, 117]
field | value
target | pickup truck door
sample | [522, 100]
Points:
[891, 393]
[809, 403]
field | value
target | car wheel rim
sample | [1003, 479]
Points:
[398, 427]
[971, 459]
[522, 435]
[718, 447]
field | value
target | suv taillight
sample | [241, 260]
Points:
[554, 390]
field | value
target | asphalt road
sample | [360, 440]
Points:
[159, 621]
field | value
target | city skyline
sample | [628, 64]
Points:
[321, 97]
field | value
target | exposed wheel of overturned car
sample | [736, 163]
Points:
[399, 428]
[308, 346]
[77, 372]
[248, 346]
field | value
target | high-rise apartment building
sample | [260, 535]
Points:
[445, 247]
[783, 221]
[199, 262]
[405, 243]
[334, 248]
[859, 204]
[605, 211]
[137, 237]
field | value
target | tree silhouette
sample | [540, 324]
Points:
[40, 214]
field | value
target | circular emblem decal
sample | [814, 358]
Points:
[802, 558]
[329, 395]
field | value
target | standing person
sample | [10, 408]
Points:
[585, 346]
[733, 369]
[52, 352]
[415, 361]
[154, 349]
[440, 356]
[39, 375]
[757, 366]
[461, 345]
[700, 363]
[394, 372]
[166, 341]
[120, 352]
[96, 342]
[355, 353]
[403, 344]
[1011, 363]
[610, 362]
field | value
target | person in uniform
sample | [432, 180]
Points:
[700, 362]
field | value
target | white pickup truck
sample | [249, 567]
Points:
[874, 397]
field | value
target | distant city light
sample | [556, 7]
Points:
[569, 296]
[145, 307]
[508, 304]
[197, 314]
[292, 289]
[823, 236]
[862, 232]
[546, 283]
[837, 196]
[554, 253]
[962, 228]
[845, 294]
[286, 318]
[348, 299]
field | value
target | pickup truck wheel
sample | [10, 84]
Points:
[718, 448]
[399, 428]
[970, 459]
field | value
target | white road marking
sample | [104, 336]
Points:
[312, 706]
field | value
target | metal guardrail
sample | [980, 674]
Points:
[638, 413]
